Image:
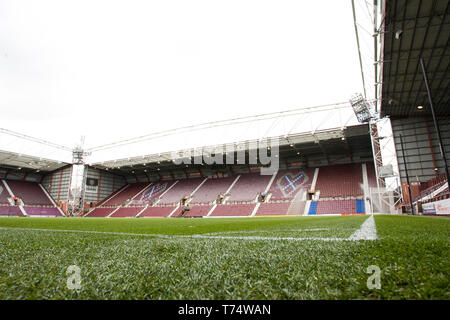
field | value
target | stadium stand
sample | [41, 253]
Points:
[339, 186]
[10, 211]
[4, 195]
[42, 211]
[182, 188]
[224, 210]
[360, 206]
[159, 211]
[29, 192]
[273, 208]
[127, 212]
[101, 212]
[127, 194]
[112, 195]
[288, 182]
[312, 208]
[248, 187]
[336, 206]
[432, 185]
[198, 211]
[342, 180]
[211, 189]
[152, 192]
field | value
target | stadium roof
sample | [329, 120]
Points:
[414, 29]
[306, 128]
[290, 123]
[327, 142]
[27, 163]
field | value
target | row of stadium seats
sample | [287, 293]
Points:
[31, 211]
[270, 208]
[288, 182]
[11, 211]
[432, 185]
[29, 192]
[180, 189]
[42, 211]
[336, 207]
[125, 194]
[35, 201]
[340, 181]
[284, 187]
[209, 190]
[248, 186]
[162, 198]
[4, 195]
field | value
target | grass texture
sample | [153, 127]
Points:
[236, 258]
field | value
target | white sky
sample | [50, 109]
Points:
[113, 70]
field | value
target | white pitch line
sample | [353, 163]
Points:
[367, 231]
[199, 236]
[87, 231]
[264, 231]
[165, 236]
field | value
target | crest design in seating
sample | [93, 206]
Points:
[290, 183]
[152, 191]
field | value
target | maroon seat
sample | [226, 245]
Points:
[127, 193]
[336, 206]
[113, 194]
[30, 192]
[100, 212]
[159, 211]
[4, 194]
[342, 180]
[211, 189]
[6, 211]
[183, 188]
[198, 211]
[233, 210]
[249, 186]
[276, 208]
[152, 192]
[42, 211]
[127, 212]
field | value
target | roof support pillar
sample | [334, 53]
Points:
[436, 124]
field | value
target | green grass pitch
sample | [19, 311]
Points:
[229, 258]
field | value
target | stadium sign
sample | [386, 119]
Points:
[438, 207]
[91, 185]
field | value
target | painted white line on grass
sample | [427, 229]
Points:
[165, 236]
[199, 236]
[265, 231]
[367, 231]
[86, 231]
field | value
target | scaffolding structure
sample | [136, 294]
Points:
[387, 195]
[78, 179]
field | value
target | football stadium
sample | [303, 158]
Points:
[346, 200]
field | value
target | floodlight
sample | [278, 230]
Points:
[361, 108]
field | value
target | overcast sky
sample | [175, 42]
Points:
[117, 69]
